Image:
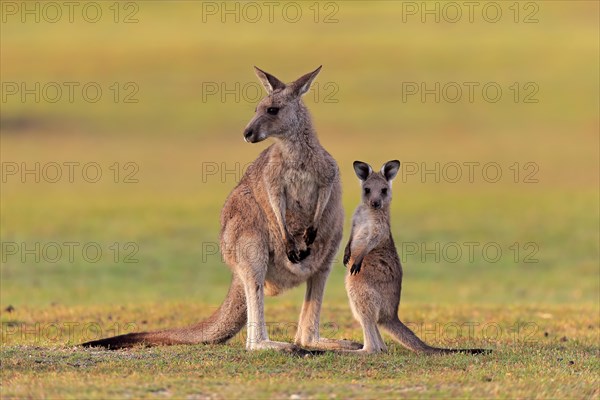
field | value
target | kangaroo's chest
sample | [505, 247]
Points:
[301, 194]
[368, 229]
[300, 186]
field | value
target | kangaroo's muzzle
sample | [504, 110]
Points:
[248, 133]
[252, 135]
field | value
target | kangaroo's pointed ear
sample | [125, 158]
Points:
[269, 81]
[362, 170]
[390, 169]
[302, 84]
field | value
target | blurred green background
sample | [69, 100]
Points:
[177, 133]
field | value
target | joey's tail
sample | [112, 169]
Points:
[408, 339]
[221, 326]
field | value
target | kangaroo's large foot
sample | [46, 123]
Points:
[281, 346]
[361, 352]
[270, 345]
[333, 344]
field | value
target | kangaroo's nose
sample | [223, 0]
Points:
[376, 204]
[247, 133]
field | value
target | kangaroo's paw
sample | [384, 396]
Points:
[310, 235]
[292, 252]
[333, 344]
[346, 255]
[355, 269]
[302, 254]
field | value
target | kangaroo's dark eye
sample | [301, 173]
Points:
[384, 191]
[367, 190]
[272, 110]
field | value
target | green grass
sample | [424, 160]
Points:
[542, 352]
[171, 214]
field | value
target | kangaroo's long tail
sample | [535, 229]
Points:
[221, 326]
[408, 339]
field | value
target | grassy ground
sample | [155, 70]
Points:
[536, 304]
[541, 352]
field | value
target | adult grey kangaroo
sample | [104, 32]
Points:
[280, 226]
[374, 280]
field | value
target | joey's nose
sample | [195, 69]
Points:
[376, 204]
[247, 133]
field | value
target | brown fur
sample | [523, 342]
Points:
[280, 226]
[374, 280]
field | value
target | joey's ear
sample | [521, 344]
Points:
[302, 84]
[390, 169]
[362, 170]
[269, 81]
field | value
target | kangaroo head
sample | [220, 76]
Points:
[281, 114]
[376, 186]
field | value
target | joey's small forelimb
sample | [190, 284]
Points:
[356, 265]
[348, 249]
[361, 249]
[347, 253]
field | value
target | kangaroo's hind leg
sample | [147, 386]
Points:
[308, 327]
[246, 251]
[373, 341]
[365, 306]
[252, 269]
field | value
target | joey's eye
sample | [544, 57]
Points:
[367, 190]
[384, 191]
[272, 110]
